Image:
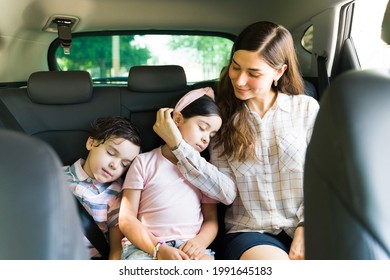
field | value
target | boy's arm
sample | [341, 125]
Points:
[115, 239]
[195, 248]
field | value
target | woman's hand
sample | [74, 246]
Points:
[166, 128]
[297, 249]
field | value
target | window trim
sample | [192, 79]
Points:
[52, 64]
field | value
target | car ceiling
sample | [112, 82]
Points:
[209, 15]
[24, 44]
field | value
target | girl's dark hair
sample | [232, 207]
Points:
[117, 127]
[203, 106]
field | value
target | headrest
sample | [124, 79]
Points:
[157, 78]
[59, 87]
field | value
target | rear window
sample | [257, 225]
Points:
[108, 58]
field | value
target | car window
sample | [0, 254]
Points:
[366, 34]
[108, 58]
[307, 39]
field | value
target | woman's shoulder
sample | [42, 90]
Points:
[299, 98]
[299, 101]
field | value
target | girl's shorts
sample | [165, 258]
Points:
[235, 244]
[130, 252]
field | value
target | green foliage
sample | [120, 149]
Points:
[94, 54]
[203, 57]
[213, 52]
[131, 54]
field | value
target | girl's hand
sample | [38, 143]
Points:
[193, 249]
[166, 252]
[166, 128]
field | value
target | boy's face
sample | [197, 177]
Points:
[107, 161]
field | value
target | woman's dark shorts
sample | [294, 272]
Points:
[235, 244]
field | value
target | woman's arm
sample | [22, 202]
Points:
[200, 173]
[204, 175]
[195, 248]
[297, 249]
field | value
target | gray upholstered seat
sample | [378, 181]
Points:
[149, 89]
[39, 217]
[58, 107]
[347, 182]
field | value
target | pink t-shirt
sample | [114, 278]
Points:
[170, 207]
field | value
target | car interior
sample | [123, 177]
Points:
[45, 115]
[345, 186]
[35, 182]
[345, 189]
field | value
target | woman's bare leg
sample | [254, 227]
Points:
[264, 252]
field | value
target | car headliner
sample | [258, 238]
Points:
[216, 15]
[24, 42]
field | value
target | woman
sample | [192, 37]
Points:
[266, 126]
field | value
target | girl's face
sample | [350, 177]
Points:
[251, 76]
[107, 161]
[197, 131]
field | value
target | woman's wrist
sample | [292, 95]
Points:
[174, 147]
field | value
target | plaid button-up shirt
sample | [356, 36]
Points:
[267, 192]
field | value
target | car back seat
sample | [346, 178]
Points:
[58, 108]
[149, 89]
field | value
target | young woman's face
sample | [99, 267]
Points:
[251, 76]
[107, 161]
[197, 131]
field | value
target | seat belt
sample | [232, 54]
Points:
[90, 228]
[323, 79]
[93, 232]
[8, 119]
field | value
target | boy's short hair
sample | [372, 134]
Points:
[115, 126]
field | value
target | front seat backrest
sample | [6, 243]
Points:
[346, 181]
[39, 217]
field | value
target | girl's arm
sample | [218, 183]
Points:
[129, 224]
[137, 233]
[195, 248]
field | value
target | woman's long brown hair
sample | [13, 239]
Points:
[274, 44]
